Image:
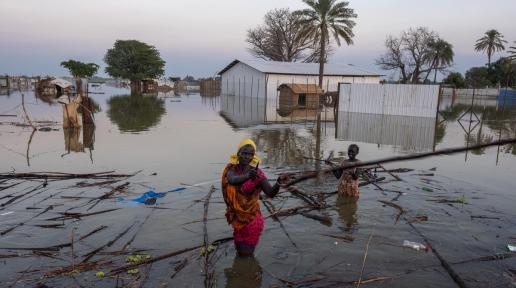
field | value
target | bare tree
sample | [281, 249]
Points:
[277, 39]
[414, 54]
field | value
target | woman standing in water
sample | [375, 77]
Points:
[242, 182]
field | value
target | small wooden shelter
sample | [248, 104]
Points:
[300, 96]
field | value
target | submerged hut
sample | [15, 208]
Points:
[306, 96]
[54, 87]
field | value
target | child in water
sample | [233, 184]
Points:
[348, 179]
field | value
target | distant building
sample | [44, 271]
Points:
[180, 86]
[4, 82]
[149, 86]
[209, 87]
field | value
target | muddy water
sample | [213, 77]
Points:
[176, 141]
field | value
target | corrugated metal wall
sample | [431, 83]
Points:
[411, 134]
[243, 80]
[389, 99]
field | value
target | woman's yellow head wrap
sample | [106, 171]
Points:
[233, 159]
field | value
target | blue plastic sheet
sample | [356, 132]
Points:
[149, 197]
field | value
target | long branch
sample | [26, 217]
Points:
[447, 151]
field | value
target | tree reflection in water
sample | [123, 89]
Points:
[245, 272]
[135, 113]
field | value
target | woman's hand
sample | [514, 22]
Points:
[282, 180]
[251, 174]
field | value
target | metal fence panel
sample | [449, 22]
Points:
[389, 99]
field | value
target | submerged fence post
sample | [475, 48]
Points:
[437, 113]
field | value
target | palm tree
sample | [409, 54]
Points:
[325, 18]
[440, 56]
[490, 43]
[512, 51]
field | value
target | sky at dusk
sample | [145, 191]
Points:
[200, 37]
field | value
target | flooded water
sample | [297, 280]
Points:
[174, 142]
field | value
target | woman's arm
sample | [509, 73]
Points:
[269, 190]
[235, 179]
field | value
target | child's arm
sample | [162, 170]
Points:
[336, 173]
[355, 172]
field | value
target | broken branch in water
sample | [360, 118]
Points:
[208, 274]
[400, 209]
[325, 220]
[25, 113]
[365, 256]
[107, 195]
[272, 211]
[165, 256]
[68, 215]
[179, 267]
[75, 268]
[64, 176]
[88, 256]
[444, 263]
[100, 228]
[341, 237]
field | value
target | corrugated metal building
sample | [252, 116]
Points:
[261, 79]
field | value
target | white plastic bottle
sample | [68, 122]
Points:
[414, 245]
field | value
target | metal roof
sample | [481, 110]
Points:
[303, 88]
[299, 68]
[61, 82]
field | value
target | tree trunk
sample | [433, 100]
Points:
[78, 84]
[135, 87]
[87, 111]
[435, 76]
[88, 136]
[321, 56]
